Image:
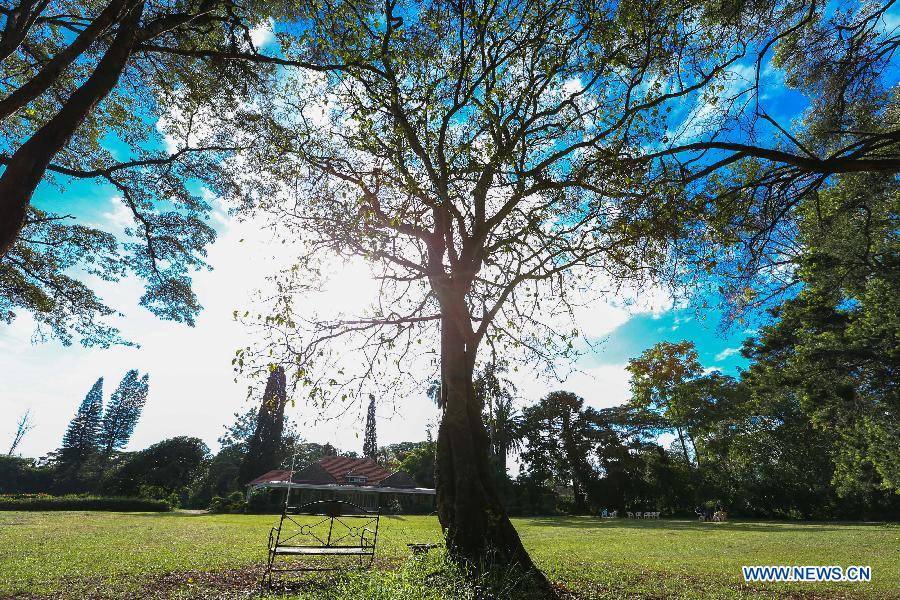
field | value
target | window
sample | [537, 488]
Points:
[357, 479]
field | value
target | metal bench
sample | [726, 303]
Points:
[327, 528]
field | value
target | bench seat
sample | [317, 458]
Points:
[332, 550]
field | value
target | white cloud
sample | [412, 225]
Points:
[600, 318]
[118, 217]
[263, 34]
[726, 353]
[601, 386]
[572, 86]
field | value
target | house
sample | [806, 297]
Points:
[361, 481]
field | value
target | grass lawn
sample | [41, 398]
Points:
[99, 555]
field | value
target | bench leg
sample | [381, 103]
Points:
[266, 582]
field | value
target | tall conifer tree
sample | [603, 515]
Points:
[264, 447]
[370, 445]
[123, 411]
[80, 440]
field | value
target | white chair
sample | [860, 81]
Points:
[630, 515]
[637, 515]
[614, 514]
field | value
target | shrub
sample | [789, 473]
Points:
[23, 475]
[392, 508]
[264, 501]
[234, 504]
[45, 502]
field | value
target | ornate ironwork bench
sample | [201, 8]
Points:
[324, 528]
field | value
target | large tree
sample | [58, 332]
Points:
[95, 91]
[123, 411]
[264, 448]
[80, 440]
[834, 344]
[496, 163]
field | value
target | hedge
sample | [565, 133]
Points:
[44, 502]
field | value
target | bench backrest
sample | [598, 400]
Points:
[328, 524]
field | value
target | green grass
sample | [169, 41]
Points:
[77, 554]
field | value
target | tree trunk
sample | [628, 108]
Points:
[684, 450]
[479, 533]
[18, 22]
[26, 167]
[579, 480]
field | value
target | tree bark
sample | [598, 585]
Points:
[27, 166]
[479, 532]
[684, 450]
[19, 21]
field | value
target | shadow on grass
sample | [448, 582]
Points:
[693, 525]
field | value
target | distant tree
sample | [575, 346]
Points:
[219, 477]
[23, 475]
[163, 469]
[24, 425]
[302, 454]
[241, 430]
[123, 411]
[558, 443]
[265, 445]
[80, 440]
[329, 450]
[391, 455]
[370, 445]
[418, 463]
[658, 378]
[495, 394]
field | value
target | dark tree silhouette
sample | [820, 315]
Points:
[370, 444]
[264, 446]
[80, 440]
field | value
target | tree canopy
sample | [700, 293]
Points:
[94, 91]
[500, 163]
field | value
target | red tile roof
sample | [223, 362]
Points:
[340, 467]
[272, 476]
[336, 469]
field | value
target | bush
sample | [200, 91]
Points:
[265, 501]
[23, 475]
[46, 502]
[163, 469]
[233, 504]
